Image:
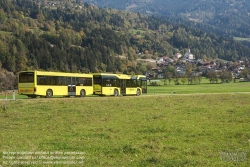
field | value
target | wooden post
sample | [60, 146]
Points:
[5, 101]
[13, 95]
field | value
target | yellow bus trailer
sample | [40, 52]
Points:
[48, 84]
[119, 84]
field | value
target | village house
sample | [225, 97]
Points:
[188, 55]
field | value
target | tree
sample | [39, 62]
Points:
[183, 79]
[199, 78]
[169, 77]
[244, 73]
[212, 76]
[226, 76]
[190, 78]
[7, 79]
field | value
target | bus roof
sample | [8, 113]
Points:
[123, 76]
[50, 73]
[113, 76]
[140, 77]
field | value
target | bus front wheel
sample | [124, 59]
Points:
[49, 93]
[138, 93]
[116, 93]
[82, 93]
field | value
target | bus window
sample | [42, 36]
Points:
[61, 81]
[97, 80]
[84, 81]
[53, 80]
[115, 82]
[68, 81]
[139, 83]
[88, 82]
[26, 77]
[73, 81]
[47, 80]
[40, 80]
[131, 83]
[80, 81]
[106, 82]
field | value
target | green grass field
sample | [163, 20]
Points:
[5, 32]
[241, 39]
[200, 88]
[204, 87]
[150, 130]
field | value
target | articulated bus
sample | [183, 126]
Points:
[48, 84]
[119, 84]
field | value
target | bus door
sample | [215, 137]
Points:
[71, 86]
[144, 86]
[123, 87]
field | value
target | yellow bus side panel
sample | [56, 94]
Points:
[88, 90]
[130, 91]
[109, 90]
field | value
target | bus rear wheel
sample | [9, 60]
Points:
[116, 93]
[82, 93]
[49, 93]
[138, 92]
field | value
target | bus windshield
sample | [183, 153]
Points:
[26, 77]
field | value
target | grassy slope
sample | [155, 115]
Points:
[204, 87]
[5, 33]
[241, 39]
[187, 130]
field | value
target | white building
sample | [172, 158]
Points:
[188, 55]
[178, 55]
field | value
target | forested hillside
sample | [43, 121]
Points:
[223, 17]
[72, 36]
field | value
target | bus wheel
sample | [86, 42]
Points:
[82, 93]
[116, 92]
[49, 93]
[138, 93]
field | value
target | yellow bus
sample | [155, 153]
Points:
[141, 81]
[119, 84]
[48, 84]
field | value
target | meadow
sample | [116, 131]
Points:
[5, 33]
[170, 88]
[150, 130]
[236, 87]
[241, 39]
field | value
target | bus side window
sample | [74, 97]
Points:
[60, 81]
[128, 83]
[73, 81]
[47, 80]
[68, 80]
[40, 80]
[64, 81]
[77, 81]
[53, 80]
[82, 82]
[88, 82]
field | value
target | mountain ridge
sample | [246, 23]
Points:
[195, 13]
[76, 37]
